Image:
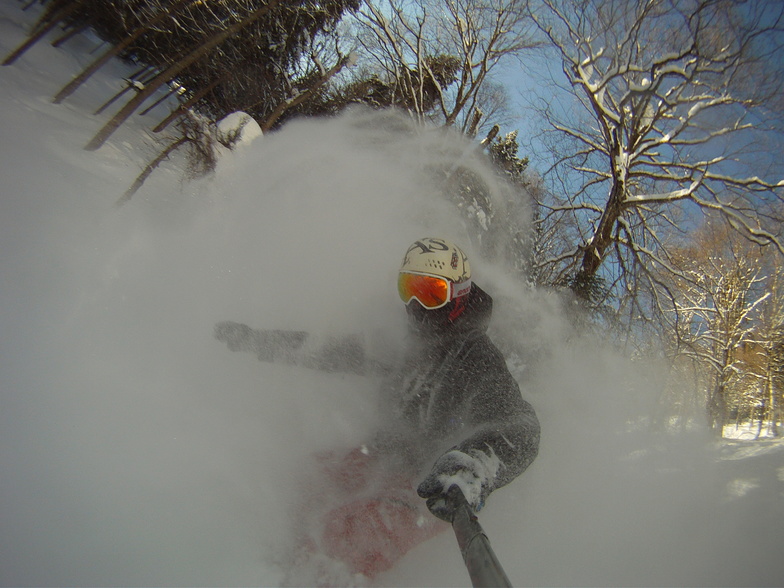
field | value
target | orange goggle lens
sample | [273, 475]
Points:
[431, 291]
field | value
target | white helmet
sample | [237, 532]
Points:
[438, 257]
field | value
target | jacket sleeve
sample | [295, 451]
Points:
[330, 353]
[504, 427]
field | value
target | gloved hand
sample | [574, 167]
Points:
[473, 474]
[237, 336]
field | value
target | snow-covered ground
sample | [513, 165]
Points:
[137, 450]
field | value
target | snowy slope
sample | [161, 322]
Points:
[137, 450]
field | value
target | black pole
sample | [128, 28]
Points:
[480, 560]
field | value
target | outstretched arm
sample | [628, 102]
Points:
[334, 353]
[265, 344]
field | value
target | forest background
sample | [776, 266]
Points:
[650, 157]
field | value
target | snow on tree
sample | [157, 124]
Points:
[671, 114]
[436, 58]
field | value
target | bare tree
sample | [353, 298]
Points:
[670, 104]
[170, 73]
[720, 288]
[163, 12]
[436, 56]
[300, 95]
[263, 56]
[53, 16]
[770, 349]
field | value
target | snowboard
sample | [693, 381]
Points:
[371, 535]
[359, 512]
[368, 519]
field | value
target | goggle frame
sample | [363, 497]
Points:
[453, 289]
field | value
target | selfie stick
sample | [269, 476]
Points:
[480, 560]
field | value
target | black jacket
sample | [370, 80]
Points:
[454, 391]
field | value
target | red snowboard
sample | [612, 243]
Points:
[378, 520]
[371, 535]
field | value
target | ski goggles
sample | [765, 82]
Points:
[430, 291]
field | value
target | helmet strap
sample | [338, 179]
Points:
[458, 309]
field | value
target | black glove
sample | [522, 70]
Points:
[237, 336]
[472, 475]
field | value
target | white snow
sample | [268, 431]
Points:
[479, 467]
[241, 124]
[137, 450]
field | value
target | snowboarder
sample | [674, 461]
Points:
[456, 418]
[454, 389]
[455, 414]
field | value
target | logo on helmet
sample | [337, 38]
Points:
[454, 260]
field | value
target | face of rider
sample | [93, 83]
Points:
[427, 322]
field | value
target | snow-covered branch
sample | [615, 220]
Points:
[668, 111]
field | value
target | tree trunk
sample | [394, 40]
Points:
[603, 235]
[74, 84]
[270, 121]
[166, 96]
[717, 409]
[42, 31]
[169, 74]
[68, 35]
[772, 403]
[138, 76]
[183, 108]
[149, 169]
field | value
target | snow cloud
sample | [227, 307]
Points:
[137, 450]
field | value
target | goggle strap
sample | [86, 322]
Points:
[460, 289]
